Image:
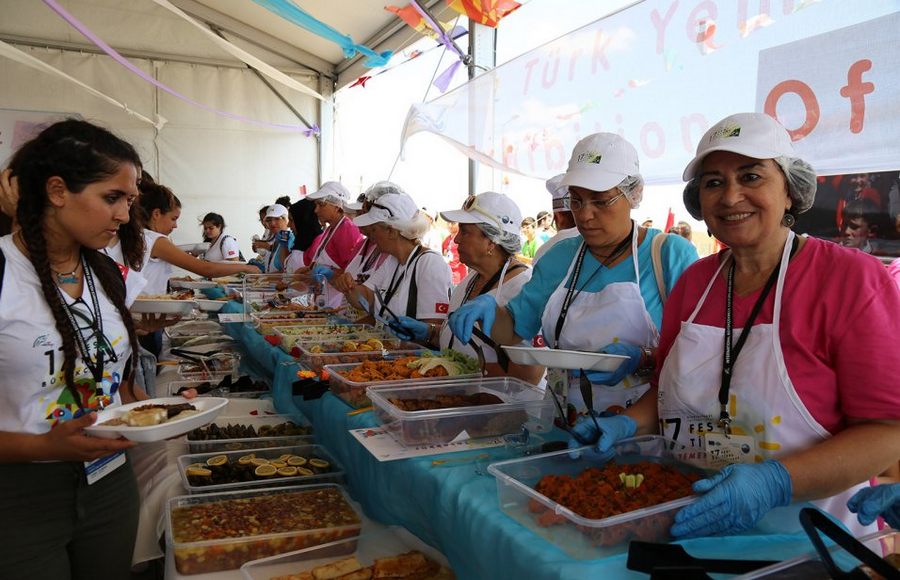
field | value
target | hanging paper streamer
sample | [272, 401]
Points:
[242, 54]
[409, 15]
[24, 58]
[487, 12]
[84, 30]
[443, 81]
[292, 13]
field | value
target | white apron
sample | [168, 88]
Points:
[333, 297]
[763, 403]
[595, 319]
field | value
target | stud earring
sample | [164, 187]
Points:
[788, 220]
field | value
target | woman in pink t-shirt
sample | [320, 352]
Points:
[777, 359]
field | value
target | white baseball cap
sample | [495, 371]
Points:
[430, 213]
[389, 208]
[600, 162]
[332, 192]
[276, 211]
[559, 193]
[755, 135]
[490, 208]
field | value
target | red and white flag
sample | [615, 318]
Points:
[441, 307]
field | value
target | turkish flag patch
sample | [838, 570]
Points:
[538, 341]
[441, 307]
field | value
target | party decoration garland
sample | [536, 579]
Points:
[294, 14]
[96, 40]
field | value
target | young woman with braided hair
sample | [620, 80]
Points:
[68, 501]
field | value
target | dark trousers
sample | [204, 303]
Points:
[53, 525]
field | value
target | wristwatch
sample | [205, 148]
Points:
[648, 363]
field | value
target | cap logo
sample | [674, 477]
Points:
[590, 157]
[725, 131]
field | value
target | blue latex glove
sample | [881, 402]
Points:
[483, 308]
[322, 273]
[410, 329]
[627, 367]
[734, 499]
[613, 429]
[871, 502]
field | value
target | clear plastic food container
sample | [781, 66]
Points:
[213, 368]
[885, 543]
[222, 531]
[193, 328]
[291, 335]
[269, 438]
[457, 410]
[259, 388]
[367, 548]
[238, 469]
[578, 536]
[188, 341]
[315, 354]
[354, 392]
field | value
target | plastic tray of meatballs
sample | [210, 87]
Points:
[276, 466]
[459, 410]
[235, 433]
[593, 505]
[221, 531]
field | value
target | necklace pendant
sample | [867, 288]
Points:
[69, 278]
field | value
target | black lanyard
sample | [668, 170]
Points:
[370, 260]
[395, 282]
[484, 289]
[95, 365]
[572, 293]
[325, 241]
[731, 352]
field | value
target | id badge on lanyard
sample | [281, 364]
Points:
[97, 469]
[722, 449]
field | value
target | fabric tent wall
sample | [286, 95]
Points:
[211, 163]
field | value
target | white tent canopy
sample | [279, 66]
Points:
[211, 162]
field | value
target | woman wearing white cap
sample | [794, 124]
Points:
[779, 353]
[598, 291]
[368, 257]
[419, 285]
[488, 241]
[282, 238]
[339, 240]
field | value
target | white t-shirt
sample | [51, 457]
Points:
[433, 281]
[294, 262]
[135, 281]
[156, 271]
[356, 267]
[224, 248]
[32, 399]
[509, 289]
[560, 235]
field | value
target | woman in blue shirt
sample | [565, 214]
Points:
[598, 291]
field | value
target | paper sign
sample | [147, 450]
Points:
[385, 448]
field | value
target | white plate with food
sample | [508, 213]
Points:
[191, 283]
[194, 248]
[162, 306]
[210, 305]
[556, 358]
[156, 419]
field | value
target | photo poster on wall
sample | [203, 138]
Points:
[18, 126]
[857, 210]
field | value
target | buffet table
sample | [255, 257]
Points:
[453, 506]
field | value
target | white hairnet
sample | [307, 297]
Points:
[413, 229]
[633, 188]
[801, 181]
[510, 242]
[382, 187]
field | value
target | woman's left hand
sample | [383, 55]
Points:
[871, 502]
[407, 328]
[734, 500]
[627, 367]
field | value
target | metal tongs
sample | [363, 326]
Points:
[587, 394]
[814, 522]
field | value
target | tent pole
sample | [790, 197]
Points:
[483, 55]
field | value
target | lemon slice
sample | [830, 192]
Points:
[287, 471]
[375, 344]
[258, 461]
[349, 346]
[196, 465]
[304, 472]
[265, 471]
[319, 464]
[285, 456]
[197, 472]
[278, 464]
[297, 461]
[247, 459]
[217, 460]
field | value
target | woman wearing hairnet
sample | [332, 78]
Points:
[778, 357]
[597, 291]
[488, 241]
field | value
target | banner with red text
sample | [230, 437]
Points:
[662, 71]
